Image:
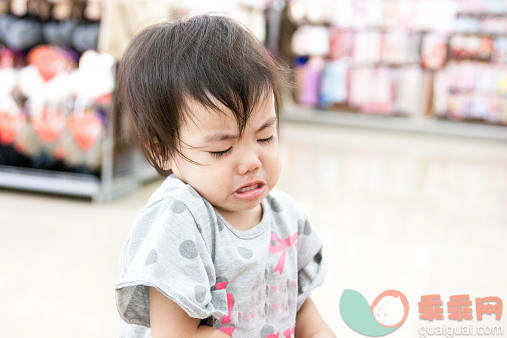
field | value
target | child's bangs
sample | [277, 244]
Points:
[240, 100]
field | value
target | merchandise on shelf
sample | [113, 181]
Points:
[433, 51]
[379, 56]
[334, 83]
[54, 86]
[472, 90]
[499, 54]
[496, 7]
[50, 109]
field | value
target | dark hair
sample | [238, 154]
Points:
[207, 59]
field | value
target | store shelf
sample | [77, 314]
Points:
[80, 185]
[395, 123]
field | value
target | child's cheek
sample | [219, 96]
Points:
[275, 168]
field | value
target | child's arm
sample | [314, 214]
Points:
[167, 319]
[309, 323]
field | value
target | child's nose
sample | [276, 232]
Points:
[249, 163]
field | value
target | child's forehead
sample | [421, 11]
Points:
[199, 118]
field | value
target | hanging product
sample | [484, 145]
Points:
[499, 53]
[310, 79]
[46, 87]
[311, 40]
[367, 47]
[334, 83]
[433, 51]
[82, 146]
[370, 89]
[395, 47]
[12, 119]
[20, 34]
[341, 43]
[409, 82]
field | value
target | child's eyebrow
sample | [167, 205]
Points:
[269, 122]
[221, 136]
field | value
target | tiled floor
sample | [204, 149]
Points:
[419, 214]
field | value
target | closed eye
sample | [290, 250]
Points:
[219, 154]
[266, 140]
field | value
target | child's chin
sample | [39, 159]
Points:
[249, 205]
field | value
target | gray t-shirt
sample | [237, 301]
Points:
[246, 283]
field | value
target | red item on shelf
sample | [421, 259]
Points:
[50, 61]
[86, 129]
[60, 153]
[10, 125]
[49, 124]
[6, 58]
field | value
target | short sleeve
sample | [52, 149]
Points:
[312, 265]
[166, 250]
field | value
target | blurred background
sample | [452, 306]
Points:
[393, 140]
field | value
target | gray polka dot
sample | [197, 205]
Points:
[220, 224]
[301, 224]
[301, 284]
[152, 258]
[178, 207]
[267, 330]
[266, 274]
[275, 206]
[318, 257]
[245, 253]
[188, 249]
[307, 229]
[288, 284]
[200, 293]
[193, 192]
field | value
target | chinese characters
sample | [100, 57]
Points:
[459, 307]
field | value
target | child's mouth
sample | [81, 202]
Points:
[250, 192]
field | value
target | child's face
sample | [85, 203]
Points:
[228, 163]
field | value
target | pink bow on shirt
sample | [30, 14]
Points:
[281, 246]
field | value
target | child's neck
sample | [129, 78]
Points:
[244, 220]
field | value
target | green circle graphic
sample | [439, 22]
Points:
[356, 312]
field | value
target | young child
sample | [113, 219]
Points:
[217, 251]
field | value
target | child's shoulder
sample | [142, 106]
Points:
[172, 204]
[175, 207]
[280, 200]
[173, 191]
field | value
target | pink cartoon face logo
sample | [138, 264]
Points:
[390, 308]
[385, 315]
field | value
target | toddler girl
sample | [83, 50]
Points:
[217, 251]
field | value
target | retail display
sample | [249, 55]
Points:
[47, 94]
[473, 84]
[390, 57]
[55, 98]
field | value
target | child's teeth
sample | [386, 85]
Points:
[245, 189]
